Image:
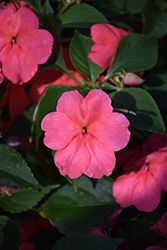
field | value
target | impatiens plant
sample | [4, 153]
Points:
[83, 142]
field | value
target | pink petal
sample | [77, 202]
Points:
[158, 167]
[70, 104]
[18, 100]
[96, 104]
[122, 189]
[37, 45]
[104, 34]
[160, 226]
[103, 55]
[74, 159]
[8, 23]
[111, 129]
[4, 39]
[26, 20]
[102, 159]
[146, 193]
[60, 130]
[16, 65]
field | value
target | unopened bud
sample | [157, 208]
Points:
[132, 79]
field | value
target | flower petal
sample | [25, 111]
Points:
[37, 45]
[18, 100]
[102, 159]
[110, 34]
[60, 130]
[74, 159]
[122, 189]
[16, 65]
[107, 130]
[70, 104]
[146, 193]
[96, 104]
[103, 55]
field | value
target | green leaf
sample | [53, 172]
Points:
[74, 212]
[155, 22]
[73, 182]
[60, 65]
[23, 199]
[108, 7]
[10, 234]
[14, 167]
[47, 12]
[148, 116]
[48, 103]
[156, 85]
[134, 6]
[135, 52]
[80, 47]
[81, 15]
[88, 242]
[36, 5]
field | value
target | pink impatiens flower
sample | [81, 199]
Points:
[86, 133]
[106, 38]
[22, 45]
[142, 185]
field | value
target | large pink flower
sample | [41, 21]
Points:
[22, 45]
[142, 186]
[86, 133]
[106, 37]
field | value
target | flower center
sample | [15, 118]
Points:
[13, 40]
[146, 167]
[84, 132]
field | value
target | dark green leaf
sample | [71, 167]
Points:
[10, 235]
[81, 15]
[135, 53]
[74, 212]
[60, 65]
[14, 167]
[48, 103]
[36, 5]
[141, 234]
[80, 47]
[47, 12]
[88, 242]
[23, 199]
[109, 7]
[135, 6]
[156, 85]
[73, 182]
[155, 22]
[148, 116]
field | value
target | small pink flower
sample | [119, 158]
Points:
[86, 133]
[22, 45]
[142, 186]
[106, 37]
